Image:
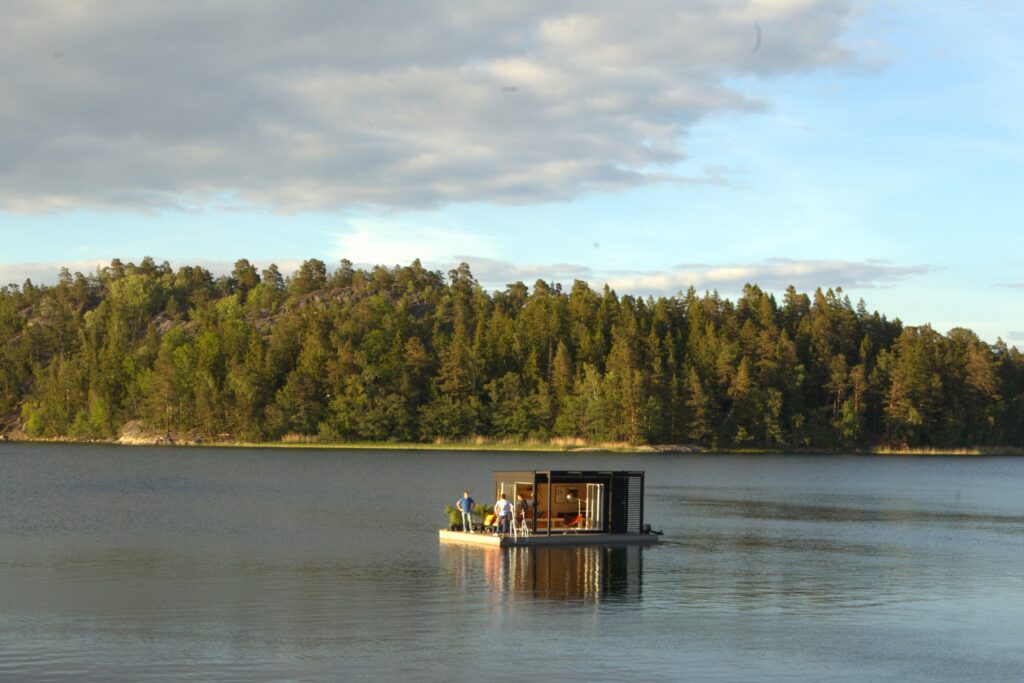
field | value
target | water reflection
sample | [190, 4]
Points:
[591, 573]
[889, 510]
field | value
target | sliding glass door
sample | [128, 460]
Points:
[595, 507]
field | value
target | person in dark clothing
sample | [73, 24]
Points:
[522, 510]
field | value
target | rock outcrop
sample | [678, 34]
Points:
[135, 433]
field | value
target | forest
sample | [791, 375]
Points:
[408, 354]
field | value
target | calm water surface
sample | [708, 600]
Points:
[128, 564]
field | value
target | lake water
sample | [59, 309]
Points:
[128, 564]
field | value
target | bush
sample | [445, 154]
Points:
[480, 510]
[454, 518]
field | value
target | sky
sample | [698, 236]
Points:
[876, 146]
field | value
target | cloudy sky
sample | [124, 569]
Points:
[872, 145]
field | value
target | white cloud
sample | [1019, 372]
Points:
[322, 105]
[44, 273]
[495, 274]
[442, 250]
[371, 242]
[776, 274]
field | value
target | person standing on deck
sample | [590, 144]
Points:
[522, 509]
[465, 506]
[503, 509]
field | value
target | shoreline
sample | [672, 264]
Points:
[522, 447]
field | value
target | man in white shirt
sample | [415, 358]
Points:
[503, 509]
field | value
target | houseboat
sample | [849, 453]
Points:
[566, 507]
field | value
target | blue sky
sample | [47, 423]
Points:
[876, 146]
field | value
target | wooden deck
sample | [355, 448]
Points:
[536, 540]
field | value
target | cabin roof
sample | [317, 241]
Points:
[509, 474]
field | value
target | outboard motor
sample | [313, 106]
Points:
[646, 529]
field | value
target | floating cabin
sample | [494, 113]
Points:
[568, 507]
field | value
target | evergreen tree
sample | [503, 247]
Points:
[406, 353]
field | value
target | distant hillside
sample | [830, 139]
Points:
[412, 354]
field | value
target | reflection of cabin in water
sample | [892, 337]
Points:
[570, 507]
[588, 571]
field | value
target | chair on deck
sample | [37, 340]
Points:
[490, 523]
[576, 523]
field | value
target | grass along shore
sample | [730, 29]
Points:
[622, 448]
[135, 435]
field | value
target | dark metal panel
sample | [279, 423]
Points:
[549, 508]
[634, 504]
[617, 506]
[643, 497]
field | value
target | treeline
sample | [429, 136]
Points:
[410, 354]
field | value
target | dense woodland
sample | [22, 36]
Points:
[409, 354]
